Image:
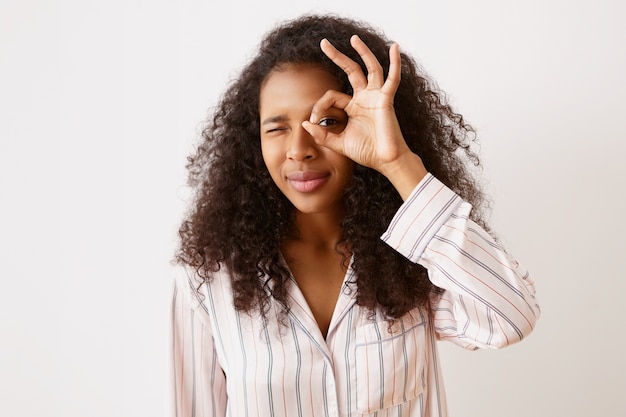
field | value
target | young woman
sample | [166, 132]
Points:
[335, 237]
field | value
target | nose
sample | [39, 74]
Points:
[302, 146]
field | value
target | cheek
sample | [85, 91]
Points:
[349, 173]
[266, 152]
[345, 166]
[271, 158]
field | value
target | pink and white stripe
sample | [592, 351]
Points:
[228, 363]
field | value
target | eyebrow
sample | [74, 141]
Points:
[275, 119]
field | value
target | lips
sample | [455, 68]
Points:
[307, 181]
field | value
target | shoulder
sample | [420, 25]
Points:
[196, 289]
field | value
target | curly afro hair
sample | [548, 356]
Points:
[239, 218]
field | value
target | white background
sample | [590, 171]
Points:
[100, 103]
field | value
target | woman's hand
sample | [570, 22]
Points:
[372, 136]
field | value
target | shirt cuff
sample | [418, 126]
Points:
[413, 226]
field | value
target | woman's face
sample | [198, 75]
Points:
[312, 177]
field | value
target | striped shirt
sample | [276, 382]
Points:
[228, 363]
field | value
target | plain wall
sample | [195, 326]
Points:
[101, 102]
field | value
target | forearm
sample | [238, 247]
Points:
[488, 298]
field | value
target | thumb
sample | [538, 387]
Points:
[323, 137]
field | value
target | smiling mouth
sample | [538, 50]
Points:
[307, 181]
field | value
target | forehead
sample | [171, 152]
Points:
[293, 84]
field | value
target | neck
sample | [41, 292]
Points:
[319, 230]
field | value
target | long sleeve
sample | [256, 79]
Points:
[489, 298]
[199, 382]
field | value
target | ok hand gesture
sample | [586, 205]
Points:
[372, 136]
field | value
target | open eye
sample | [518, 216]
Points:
[328, 121]
[333, 123]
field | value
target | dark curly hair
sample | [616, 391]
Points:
[239, 218]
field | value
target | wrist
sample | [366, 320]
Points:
[404, 173]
